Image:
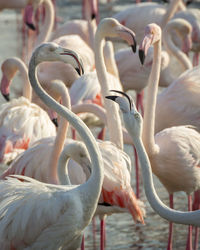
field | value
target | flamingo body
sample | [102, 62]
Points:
[180, 102]
[22, 123]
[184, 165]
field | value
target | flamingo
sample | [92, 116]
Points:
[72, 206]
[117, 189]
[192, 16]
[20, 117]
[9, 68]
[169, 151]
[34, 81]
[133, 123]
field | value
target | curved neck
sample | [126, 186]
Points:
[62, 167]
[174, 50]
[60, 137]
[47, 27]
[27, 89]
[152, 197]
[172, 8]
[150, 104]
[90, 190]
[114, 122]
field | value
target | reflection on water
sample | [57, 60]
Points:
[122, 233]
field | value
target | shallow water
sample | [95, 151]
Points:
[122, 232]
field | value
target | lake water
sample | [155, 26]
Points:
[122, 232]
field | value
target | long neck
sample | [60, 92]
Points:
[21, 66]
[114, 122]
[59, 140]
[92, 188]
[150, 104]
[110, 59]
[155, 202]
[174, 50]
[62, 167]
[47, 27]
[173, 6]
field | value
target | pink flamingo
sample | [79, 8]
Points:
[116, 196]
[136, 212]
[39, 224]
[169, 151]
[133, 123]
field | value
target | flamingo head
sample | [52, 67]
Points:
[132, 118]
[9, 70]
[110, 27]
[151, 36]
[29, 13]
[53, 52]
[78, 152]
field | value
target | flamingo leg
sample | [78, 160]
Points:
[189, 239]
[171, 203]
[103, 234]
[73, 134]
[83, 243]
[196, 206]
[137, 173]
[196, 59]
[196, 238]
[94, 232]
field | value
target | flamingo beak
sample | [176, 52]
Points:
[80, 69]
[127, 35]
[28, 17]
[144, 46]
[141, 56]
[7, 97]
[111, 97]
[55, 122]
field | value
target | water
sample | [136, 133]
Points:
[122, 232]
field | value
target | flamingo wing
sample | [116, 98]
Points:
[28, 208]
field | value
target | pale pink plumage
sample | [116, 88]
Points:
[173, 152]
[180, 102]
[24, 122]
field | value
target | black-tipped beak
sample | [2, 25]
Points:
[93, 16]
[134, 46]
[78, 71]
[31, 26]
[141, 56]
[55, 122]
[7, 97]
[111, 97]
